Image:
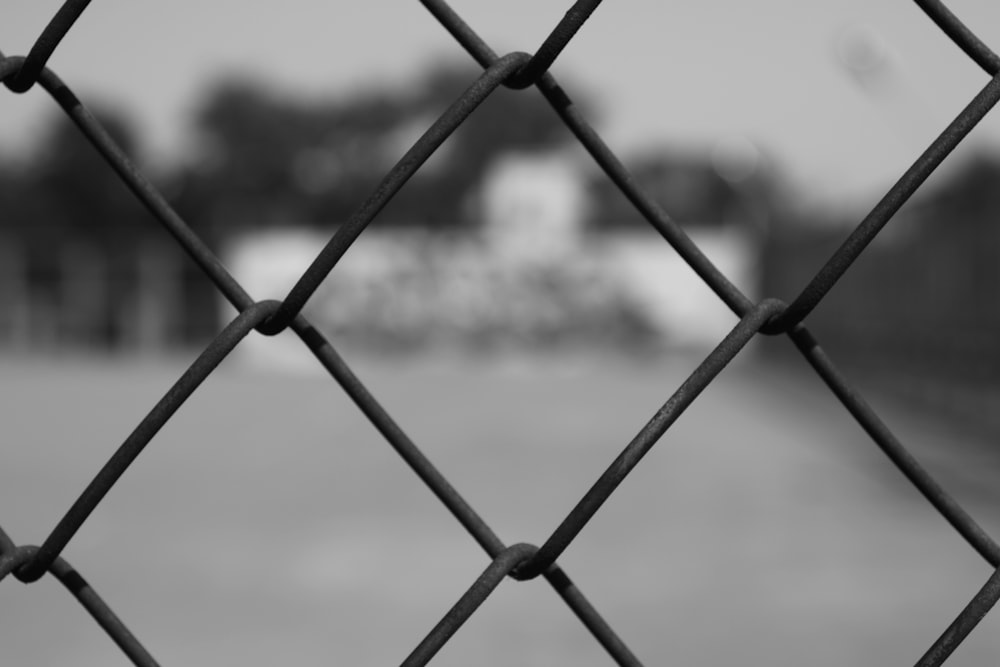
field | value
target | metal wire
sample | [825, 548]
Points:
[519, 562]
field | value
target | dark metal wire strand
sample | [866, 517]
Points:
[553, 45]
[397, 438]
[491, 577]
[428, 143]
[6, 544]
[461, 31]
[968, 618]
[886, 208]
[539, 63]
[591, 620]
[605, 158]
[447, 494]
[46, 45]
[654, 214]
[102, 613]
[12, 560]
[141, 436]
[893, 448]
[959, 33]
[629, 458]
[145, 191]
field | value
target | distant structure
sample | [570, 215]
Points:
[722, 204]
[74, 294]
[921, 311]
[533, 207]
[556, 255]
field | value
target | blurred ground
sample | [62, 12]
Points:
[268, 523]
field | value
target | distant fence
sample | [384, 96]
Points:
[520, 562]
[923, 304]
[90, 296]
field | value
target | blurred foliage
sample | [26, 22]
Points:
[260, 158]
[690, 189]
[67, 192]
[925, 290]
[264, 159]
[920, 304]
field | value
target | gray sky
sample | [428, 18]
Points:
[687, 74]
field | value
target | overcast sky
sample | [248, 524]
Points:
[842, 93]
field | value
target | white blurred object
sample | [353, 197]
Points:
[268, 263]
[677, 301]
[533, 205]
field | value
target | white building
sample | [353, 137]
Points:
[533, 264]
[533, 206]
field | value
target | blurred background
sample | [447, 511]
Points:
[515, 313]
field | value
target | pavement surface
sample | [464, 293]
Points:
[268, 523]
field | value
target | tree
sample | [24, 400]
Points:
[68, 191]
[266, 159]
[690, 189]
[508, 120]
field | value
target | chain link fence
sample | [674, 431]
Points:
[521, 562]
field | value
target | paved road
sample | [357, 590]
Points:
[269, 524]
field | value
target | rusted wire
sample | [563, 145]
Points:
[521, 562]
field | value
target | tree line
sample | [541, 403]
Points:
[261, 158]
